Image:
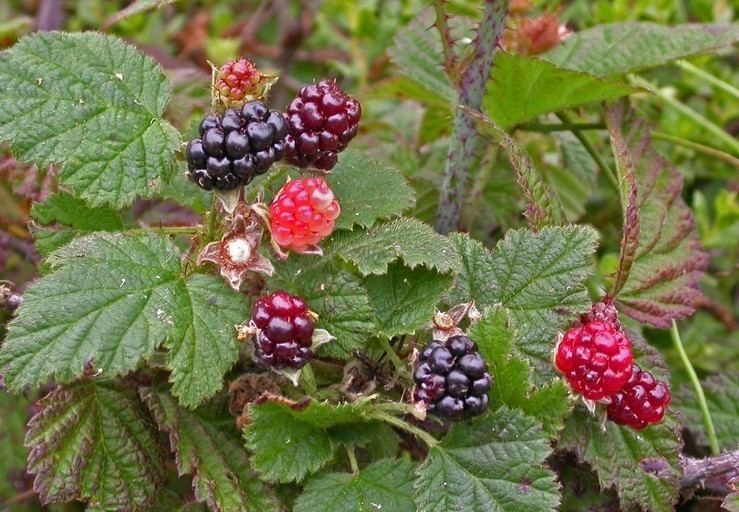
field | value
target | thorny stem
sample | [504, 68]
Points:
[678, 105]
[602, 165]
[697, 471]
[700, 148]
[443, 28]
[352, 459]
[700, 395]
[427, 438]
[464, 140]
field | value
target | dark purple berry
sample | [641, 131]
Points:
[196, 156]
[210, 121]
[254, 111]
[321, 120]
[457, 383]
[231, 121]
[441, 360]
[472, 365]
[237, 145]
[460, 345]
[285, 331]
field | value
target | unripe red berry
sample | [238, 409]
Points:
[595, 358]
[641, 402]
[236, 80]
[303, 213]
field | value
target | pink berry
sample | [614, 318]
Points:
[303, 213]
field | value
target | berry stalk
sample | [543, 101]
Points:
[700, 395]
[465, 141]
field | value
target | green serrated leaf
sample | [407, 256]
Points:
[525, 87]
[722, 397]
[538, 277]
[94, 442]
[93, 104]
[367, 191]
[625, 47]
[13, 417]
[209, 449]
[662, 258]
[580, 488]
[110, 302]
[291, 441]
[404, 300]
[203, 345]
[62, 216]
[408, 239]
[494, 463]
[643, 466]
[337, 297]
[386, 485]
[512, 386]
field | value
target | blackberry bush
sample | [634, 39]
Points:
[235, 147]
[146, 364]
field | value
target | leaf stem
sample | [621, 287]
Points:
[352, 459]
[700, 395]
[168, 230]
[427, 438]
[213, 219]
[708, 77]
[560, 127]
[600, 162]
[700, 148]
[398, 363]
[678, 105]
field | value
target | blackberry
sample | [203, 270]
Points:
[595, 358]
[236, 146]
[451, 378]
[285, 331]
[322, 120]
[641, 402]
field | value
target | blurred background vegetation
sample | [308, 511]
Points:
[301, 40]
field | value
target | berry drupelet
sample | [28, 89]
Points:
[303, 213]
[285, 331]
[322, 120]
[236, 146]
[641, 402]
[452, 379]
[595, 358]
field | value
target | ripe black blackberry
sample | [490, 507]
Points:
[236, 146]
[285, 331]
[322, 120]
[451, 378]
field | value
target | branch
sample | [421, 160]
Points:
[724, 467]
[464, 140]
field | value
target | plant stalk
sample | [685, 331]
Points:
[599, 161]
[427, 438]
[700, 395]
[465, 140]
[699, 119]
[561, 127]
[700, 148]
[352, 459]
[708, 77]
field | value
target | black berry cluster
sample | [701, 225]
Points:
[322, 120]
[452, 378]
[236, 146]
[285, 331]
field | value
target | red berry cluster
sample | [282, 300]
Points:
[285, 331]
[641, 402]
[322, 120]
[303, 213]
[596, 360]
